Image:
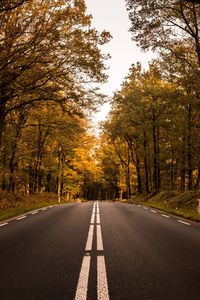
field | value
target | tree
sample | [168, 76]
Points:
[160, 24]
[155, 116]
[49, 51]
[9, 5]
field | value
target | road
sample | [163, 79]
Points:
[99, 250]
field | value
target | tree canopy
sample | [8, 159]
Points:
[50, 61]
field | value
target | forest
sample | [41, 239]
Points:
[50, 60]
[50, 63]
[154, 123]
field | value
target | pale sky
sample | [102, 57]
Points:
[111, 15]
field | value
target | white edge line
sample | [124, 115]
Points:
[3, 224]
[180, 221]
[154, 211]
[35, 212]
[165, 216]
[20, 218]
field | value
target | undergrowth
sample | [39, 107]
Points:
[183, 204]
[12, 205]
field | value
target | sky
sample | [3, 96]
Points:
[111, 15]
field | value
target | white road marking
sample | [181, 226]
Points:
[138, 205]
[154, 211]
[44, 208]
[99, 239]
[35, 212]
[98, 219]
[92, 219]
[102, 284]
[20, 218]
[94, 208]
[97, 207]
[88, 246]
[3, 224]
[145, 207]
[82, 287]
[165, 216]
[180, 221]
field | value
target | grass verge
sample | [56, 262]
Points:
[12, 205]
[180, 204]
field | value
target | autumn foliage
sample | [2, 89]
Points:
[49, 58]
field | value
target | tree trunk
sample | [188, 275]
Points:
[172, 169]
[145, 161]
[128, 179]
[3, 175]
[197, 47]
[12, 183]
[59, 175]
[2, 118]
[48, 183]
[183, 166]
[136, 161]
[198, 179]
[155, 153]
[158, 158]
[139, 179]
[42, 135]
[31, 182]
[12, 166]
[189, 148]
[13, 163]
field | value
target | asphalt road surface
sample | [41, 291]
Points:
[99, 250]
